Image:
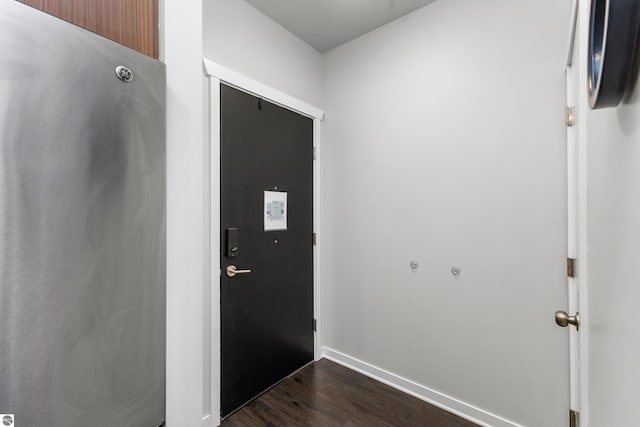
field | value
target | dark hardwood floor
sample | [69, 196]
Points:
[327, 394]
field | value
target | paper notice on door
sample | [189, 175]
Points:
[275, 210]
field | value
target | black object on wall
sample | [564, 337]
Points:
[613, 35]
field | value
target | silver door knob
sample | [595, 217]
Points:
[564, 320]
[232, 270]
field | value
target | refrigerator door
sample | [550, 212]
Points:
[82, 227]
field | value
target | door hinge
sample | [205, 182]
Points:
[315, 153]
[315, 325]
[571, 267]
[574, 418]
[315, 239]
[568, 116]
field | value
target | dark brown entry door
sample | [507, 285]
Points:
[267, 226]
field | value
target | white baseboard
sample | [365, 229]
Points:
[448, 403]
[208, 421]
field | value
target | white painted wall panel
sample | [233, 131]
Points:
[239, 37]
[614, 270]
[182, 52]
[444, 143]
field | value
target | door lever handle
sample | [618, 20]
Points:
[232, 270]
[564, 320]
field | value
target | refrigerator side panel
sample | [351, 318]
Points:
[82, 227]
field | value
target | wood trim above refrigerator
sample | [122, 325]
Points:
[133, 23]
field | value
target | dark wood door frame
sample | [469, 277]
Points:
[218, 74]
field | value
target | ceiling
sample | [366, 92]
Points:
[325, 24]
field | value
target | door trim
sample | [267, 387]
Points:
[584, 8]
[576, 81]
[256, 88]
[217, 74]
[573, 281]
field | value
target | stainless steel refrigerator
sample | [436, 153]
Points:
[82, 227]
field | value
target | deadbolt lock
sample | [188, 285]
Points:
[564, 320]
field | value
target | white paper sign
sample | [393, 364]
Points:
[275, 210]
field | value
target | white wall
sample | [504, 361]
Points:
[245, 40]
[182, 52]
[614, 270]
[444, 143]
[467, 172]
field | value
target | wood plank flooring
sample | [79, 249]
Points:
[328, 394]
